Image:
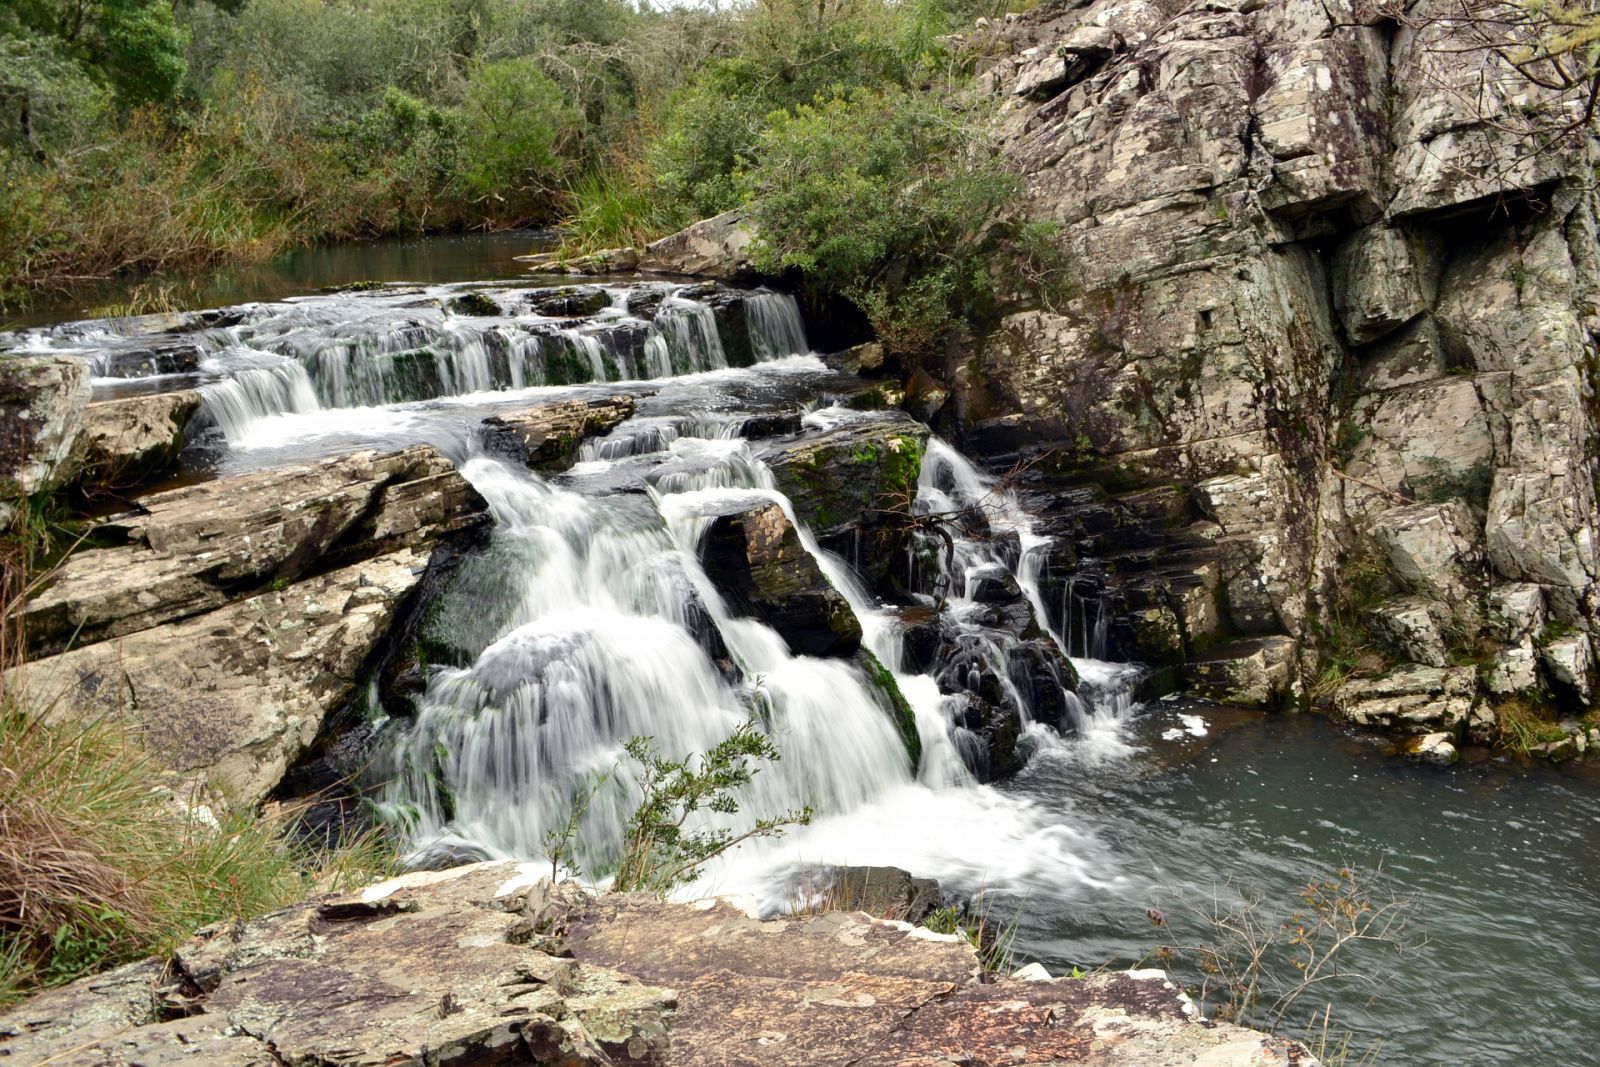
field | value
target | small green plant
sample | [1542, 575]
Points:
[659, 852]
[560, 841]
[994, 941]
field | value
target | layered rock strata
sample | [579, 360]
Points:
[234, 615]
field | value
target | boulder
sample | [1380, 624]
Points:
[568, 301]
[1516, 611]
[1077, 54]
[854, 360]
[190, 550]
[849, 483]
[718, 247]
[234, 696]
[1412, 626]
[1434, 549]
[1515, 670]
[987, 737]
[545, 437]
[881, 892]
[1254, 672]
[757, 562]
[1379, 282]
[129, 439]
[42, 404]
[1570, 661]
[1410, 700]
[1432, 748]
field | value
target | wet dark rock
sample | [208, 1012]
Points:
[760, 567]
[475, 303]
[771, 424]
[881, 892]
[733, 325]
[159, 356]
[545, 437]
[570, 301]
[920, 639]
[853, 486]
[991, 752]
[886, 691]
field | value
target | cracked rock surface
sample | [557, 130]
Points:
[490, 964]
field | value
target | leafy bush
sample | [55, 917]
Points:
[659, 853]
[884, 197]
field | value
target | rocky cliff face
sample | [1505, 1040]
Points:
[1328, 307]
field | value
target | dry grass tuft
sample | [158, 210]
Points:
[104, 859]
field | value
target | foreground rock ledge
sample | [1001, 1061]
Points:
[488, 964]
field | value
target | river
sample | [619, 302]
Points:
[579, 626]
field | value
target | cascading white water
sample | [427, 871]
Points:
[366, 350]
[773, 321]
[601, 650]
[604, 643]
[950, 484]
[690, 330]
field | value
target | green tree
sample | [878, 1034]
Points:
[521, 129]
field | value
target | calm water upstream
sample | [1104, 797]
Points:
[582, 613]
[440, 258]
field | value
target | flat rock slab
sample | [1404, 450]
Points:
[196, 548]
[490, 964]
[545, 437]
[235, 695]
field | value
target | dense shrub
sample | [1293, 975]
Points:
[886, 198]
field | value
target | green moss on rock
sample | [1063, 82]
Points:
[880, 680]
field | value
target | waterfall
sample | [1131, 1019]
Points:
[258, 386]
[950, 484]
[600, 650]
[691, 334]
[773, 320]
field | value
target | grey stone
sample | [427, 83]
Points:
[42, 402]
[1411, 624]
[754, 556]
[1253, 673]
[129, 439]
[193, 549]
[1410, 700]
[718, 247]
[545, 437]
[1570, 661]
[233, 696]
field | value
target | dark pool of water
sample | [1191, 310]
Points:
[1503, 860]
[443, 258]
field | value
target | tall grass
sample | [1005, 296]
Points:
[102, 861]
